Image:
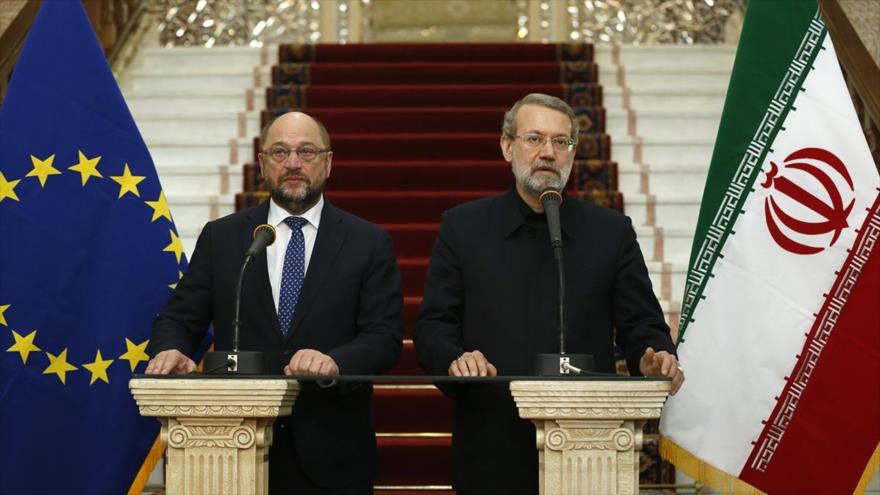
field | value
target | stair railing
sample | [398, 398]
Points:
[860, 71]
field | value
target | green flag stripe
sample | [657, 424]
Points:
[724, 197]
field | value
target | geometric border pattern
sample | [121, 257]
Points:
[756, 152]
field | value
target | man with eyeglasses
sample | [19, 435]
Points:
[490, 301]
[324, 299]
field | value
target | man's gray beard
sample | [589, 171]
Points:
[297, 202]
[535, 185]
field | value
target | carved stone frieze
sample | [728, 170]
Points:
[217, 430]
[589, 433]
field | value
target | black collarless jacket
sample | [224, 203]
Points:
[492, 287]
[350, 308]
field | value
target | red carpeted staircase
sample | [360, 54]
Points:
[415, 130]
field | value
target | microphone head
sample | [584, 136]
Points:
[267, 230]
[550, 195]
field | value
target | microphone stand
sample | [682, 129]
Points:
[562, 363]
[236, 362]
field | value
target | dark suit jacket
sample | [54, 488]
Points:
[492, 287]
[350, 308]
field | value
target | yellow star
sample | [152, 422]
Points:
[175, 247]
[160, 208]
[128, 182]
[43, 169]
[87, 167]
[3, 308]
[135, 353]
[7, 188]
[98, 368]
[179, 276]
[23, 345]
[59, 365]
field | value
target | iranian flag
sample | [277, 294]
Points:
[780, 326]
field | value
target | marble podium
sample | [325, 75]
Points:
[217, 430]
[589, 432]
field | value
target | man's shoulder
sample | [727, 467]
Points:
[355, 224]
[472, 210]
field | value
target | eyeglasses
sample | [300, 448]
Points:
[561, 144]
[280, 154]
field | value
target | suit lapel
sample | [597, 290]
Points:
[259, 288]
[329, 241]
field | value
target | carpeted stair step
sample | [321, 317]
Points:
[471, 146]
[413, 272]
[423, 119]
[402, 206]
[423, 95]
[414, 460]
[485, 72]
[411, 306]
[412, 239]
[439, 175]
[409, 362]
[433, 52]
[411, 408]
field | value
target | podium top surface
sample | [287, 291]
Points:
[413, 378]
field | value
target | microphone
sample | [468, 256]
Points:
[235, 361]
[551, 199]
[264, 236]
[562, 363]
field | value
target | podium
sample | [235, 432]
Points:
[589, 432]
[217, 431]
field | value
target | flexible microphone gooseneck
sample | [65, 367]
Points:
[551, 199]
[562, 363]
[235, 361]
[264, 236]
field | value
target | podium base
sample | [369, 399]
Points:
[235, 363]
[563, 364]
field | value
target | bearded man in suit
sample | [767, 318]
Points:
[324, 299]
[490, 301]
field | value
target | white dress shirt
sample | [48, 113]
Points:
[275, 252]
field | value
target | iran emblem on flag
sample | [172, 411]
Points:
[780, 329]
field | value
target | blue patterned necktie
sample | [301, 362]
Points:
[293, 273]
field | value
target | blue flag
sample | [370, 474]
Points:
[89, 254]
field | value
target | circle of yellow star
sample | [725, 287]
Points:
[23, 345]
[43, 169]
[7, 188]
[3, 308]
[127, 182]
[87, 167]
[160, 208]
[175, 247]
[98, 367]
[135, 353]
[59, 365]
[179, 277]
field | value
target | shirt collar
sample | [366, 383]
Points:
[277, 214]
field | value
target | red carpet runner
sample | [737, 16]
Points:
[415, 131]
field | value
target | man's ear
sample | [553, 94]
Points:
[329, 163]
[507, 148]
[260, 161]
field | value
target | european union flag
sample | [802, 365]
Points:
[88, 255]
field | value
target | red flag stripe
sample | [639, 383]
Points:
[825, 421]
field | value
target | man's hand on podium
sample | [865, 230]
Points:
[170, 361]
[472, 364]
[310, 362]
[662, 364]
